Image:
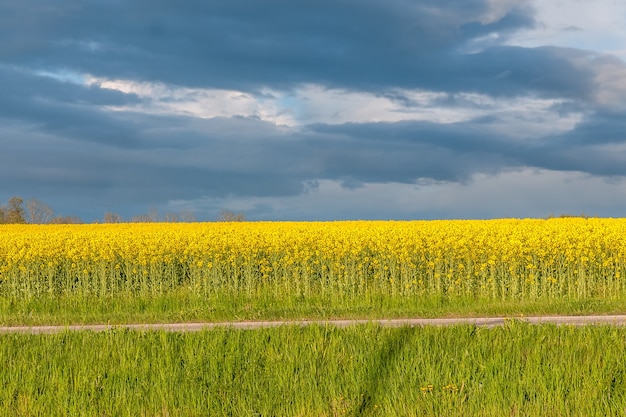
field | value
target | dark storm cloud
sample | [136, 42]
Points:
[406, 151]
[222, 157]
[597, 146]
[365, 44]
[602, 127]
[456, 151]
[235, 157]
[64, 108]
[27, 85]
[204, 160]
[511, 71]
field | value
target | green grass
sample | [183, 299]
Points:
[187, 307]
[516, 370]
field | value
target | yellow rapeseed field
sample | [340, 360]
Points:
[497, 259]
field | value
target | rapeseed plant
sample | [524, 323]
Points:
[495, 259]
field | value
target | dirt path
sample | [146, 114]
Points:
[193, 327]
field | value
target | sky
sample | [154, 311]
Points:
[315, 109]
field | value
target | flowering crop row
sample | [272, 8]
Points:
[497, 259]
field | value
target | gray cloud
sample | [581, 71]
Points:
[64, 108]
[245, 158]
[365, 45]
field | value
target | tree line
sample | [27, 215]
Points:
[34, 211]
[18, 211]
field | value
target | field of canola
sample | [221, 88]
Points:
[506, 259]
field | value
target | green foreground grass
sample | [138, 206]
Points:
[367, 370]
[182, 307]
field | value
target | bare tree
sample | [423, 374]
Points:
[38, 212]
[187, 216]
[171, 217]
[141, 218]
[153, 214]
[66, 220]
[110, 217]
[151, 217]
[14, 212]
[231, 216]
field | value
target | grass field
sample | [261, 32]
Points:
[518, 370]
[176, 308]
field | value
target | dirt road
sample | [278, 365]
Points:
[193, 327]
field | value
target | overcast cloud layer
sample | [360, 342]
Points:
[325, 109]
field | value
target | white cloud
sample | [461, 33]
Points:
[498, 9]
[611, 82]
[309, 104]
[196, 102]
[596, 25]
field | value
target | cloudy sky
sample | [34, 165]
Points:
[315, 109]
